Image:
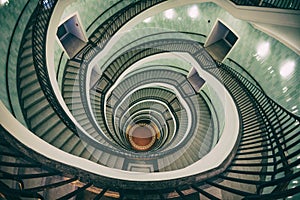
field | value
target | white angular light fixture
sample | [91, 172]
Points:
[4, 2]
[287, 69]
[170, 14]
[193, 11]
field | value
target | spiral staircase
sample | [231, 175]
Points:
[141, 130]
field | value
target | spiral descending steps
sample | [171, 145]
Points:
[42, 119]
[152, 100]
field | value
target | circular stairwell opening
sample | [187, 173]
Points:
[142, 136]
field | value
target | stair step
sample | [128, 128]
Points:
[35, 120]
[62, 138]
[28, 80]
[44, 127]
[37, 108]
[33, 99]
[27, 70]
[71, 143]
[30, 90]
[119, 163]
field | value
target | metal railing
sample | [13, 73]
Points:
[38, 26]
[42, 17]
[96, 23]
[284, 4]
[102, 35]
[20, 168]
[260, 118]
[13, 35]
[269, 135]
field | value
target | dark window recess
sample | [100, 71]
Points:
[195, 80]
[71, 36]
[220, 41]
[231, 38]
[61, 32]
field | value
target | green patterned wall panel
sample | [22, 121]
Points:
[261, 55]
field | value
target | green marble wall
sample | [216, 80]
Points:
[265, 68]
[8, 17]
[181, 64]
[88, 11]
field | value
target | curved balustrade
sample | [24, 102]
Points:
[245, 73]
[287, 4]
[121, 116]
[26, 174]
[40, 29]
[37, 110]
[100, 36]
[261, 142]
[158, 34]
[123, 16]
[148, 116]
[147, 76]
[15, 33]
[74, 65]
[249, 152]
[39, 115]
[121, 63]
[96, 99]
[40, 23]
[39, 127]
[262, 164]
[251, 121]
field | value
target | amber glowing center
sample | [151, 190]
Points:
[141, 136]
